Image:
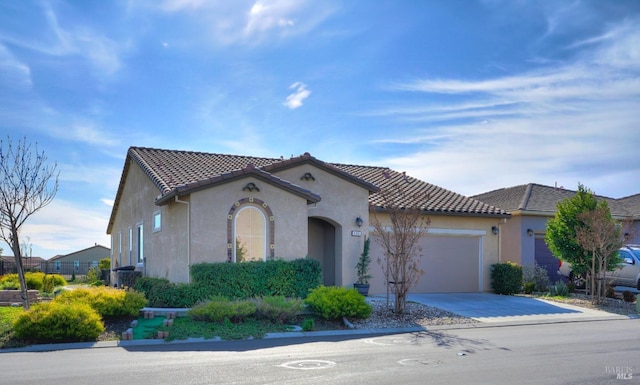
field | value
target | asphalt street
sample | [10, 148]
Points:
[595, 352]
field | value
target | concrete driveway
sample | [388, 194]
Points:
[486, 307]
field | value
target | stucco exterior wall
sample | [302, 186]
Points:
[517, 245]
[135, 207]
[210, 209]
[342, 202]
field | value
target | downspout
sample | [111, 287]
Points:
[188, 236]
[499, 242]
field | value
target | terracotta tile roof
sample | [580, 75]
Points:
[428, 197]
[539, 198]
[181, 172]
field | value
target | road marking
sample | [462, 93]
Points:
[415, 361]
[308, 364]
[386, 341]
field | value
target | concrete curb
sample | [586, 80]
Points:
[296, 334]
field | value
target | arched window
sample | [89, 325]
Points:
[250, 235]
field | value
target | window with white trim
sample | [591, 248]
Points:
[157, 221]
[140, 234]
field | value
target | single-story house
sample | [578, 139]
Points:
[175, 208]
[79, 261]
[531, 206]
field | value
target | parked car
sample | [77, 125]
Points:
[627, 274]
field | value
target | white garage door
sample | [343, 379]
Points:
[451, 264]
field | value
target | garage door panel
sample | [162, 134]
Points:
[450, 264]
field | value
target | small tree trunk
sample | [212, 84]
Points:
[20, 269]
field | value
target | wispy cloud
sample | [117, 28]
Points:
[13, 73]
[299, 94]
[550, 122]
[69, 40]
[252, 21]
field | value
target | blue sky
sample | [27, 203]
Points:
[468, 95]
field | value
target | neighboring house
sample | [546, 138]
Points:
[632, 205]
[79, 261]
[531, 206]
[174, 209]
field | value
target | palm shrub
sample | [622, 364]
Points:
[560, 289]
[331, 302]
[58, 322]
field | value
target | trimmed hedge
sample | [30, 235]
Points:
[236, 281]
[506, 278]
[259, 279]
[58, 322]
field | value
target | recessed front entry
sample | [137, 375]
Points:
[322, 247]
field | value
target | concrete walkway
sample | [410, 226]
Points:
[493, 308]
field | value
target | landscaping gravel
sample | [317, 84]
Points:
[415, 315]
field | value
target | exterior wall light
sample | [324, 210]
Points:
[494, 230]
[530, 232]
[359, 221]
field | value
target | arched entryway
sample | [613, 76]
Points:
[322, 247]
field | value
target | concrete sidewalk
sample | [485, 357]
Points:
[493, 308]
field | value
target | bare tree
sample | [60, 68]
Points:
[27, 184]
[600, 236]
[400, 241]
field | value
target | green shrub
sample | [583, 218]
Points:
[34, 280]
[331, 302]
[506, 278]
[58, 322]
[258, 279]
[9, 285]
[48, 284]
[278, 308]
[162, 293]
[219, 309]
[104, 263]
[529, 287]
[560, 289]
[106, 301]
[94, 274]
[537, 275]
[308, 324]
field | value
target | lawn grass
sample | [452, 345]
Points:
[7, 316]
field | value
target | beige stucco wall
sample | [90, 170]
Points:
[210, 208]
[342, 202]
[134, 207]
[460, 226]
